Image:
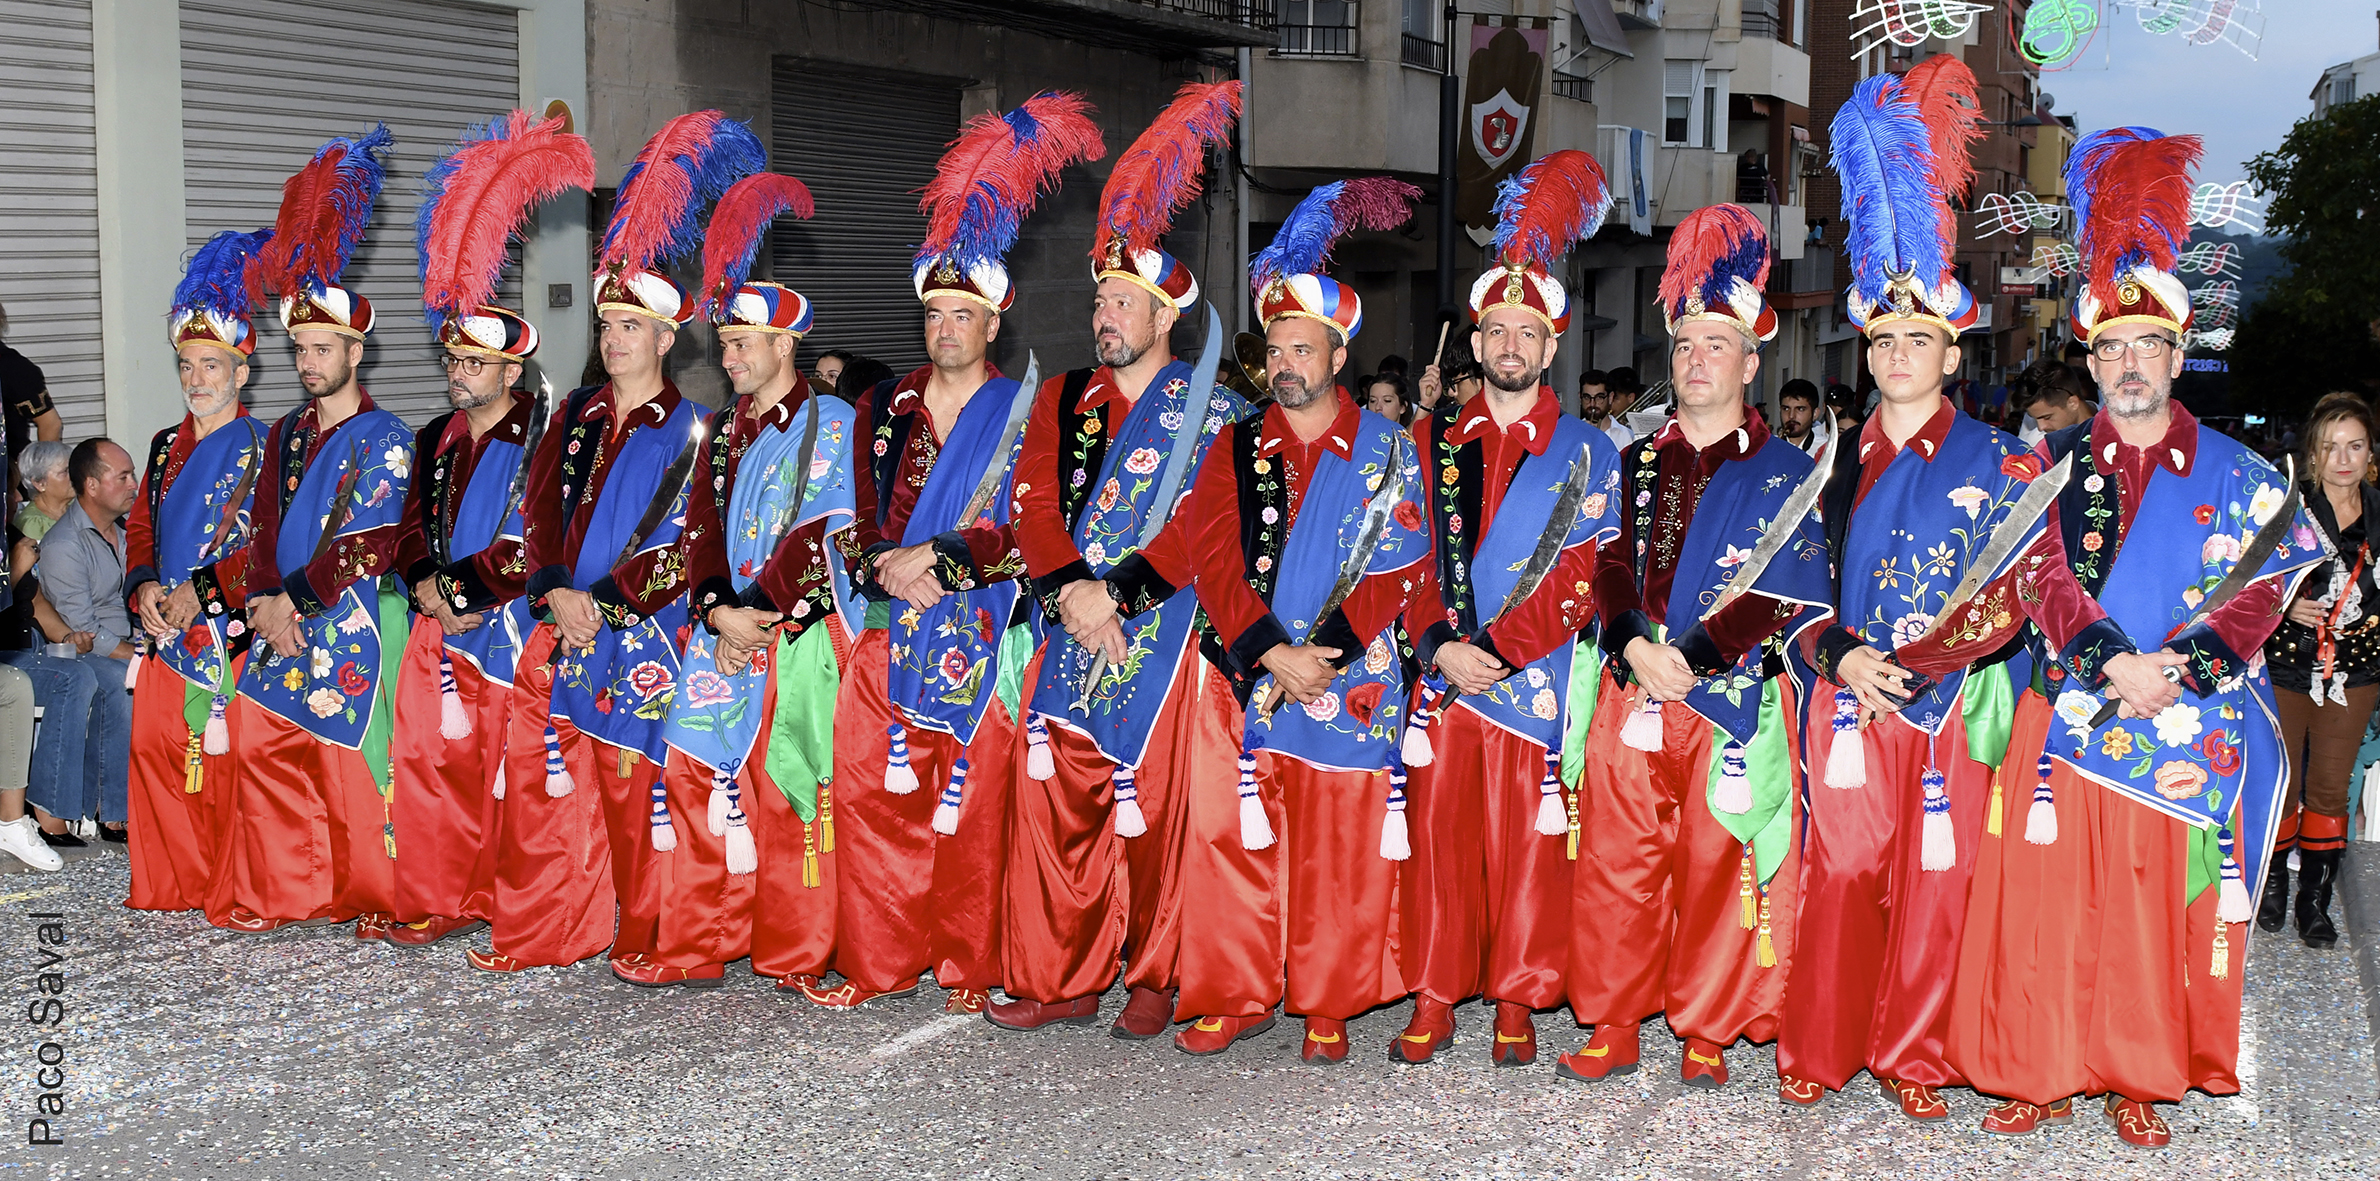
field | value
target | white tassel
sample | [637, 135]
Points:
[1846, 759]
[557, 776]
[665, 834]
[899, 778]
[1642, 730]
[1129, 821]
[1417, 751]
[217, 738]
[1395, 843]
[454, 722]
[743, 856]
[716, 821]
[496, 789]
[132, 672]
[1937, 847]
[2233, 905]
[1553, 820]
[1039, 762]
[1256, 830]
[1735, 785]
[2041, 820]
[946, 810]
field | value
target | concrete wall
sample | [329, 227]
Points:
[651, 60]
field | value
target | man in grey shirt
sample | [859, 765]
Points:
[82, 575]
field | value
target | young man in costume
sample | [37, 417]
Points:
[1684, 889]
[932, 691]
[1902, 736]
[459, 549]
[1272, 533]
[2107, 923]
[310, 722]
[605, 509]
[750, 733]
[1097, 825]
[186, 549]
[1519, 497]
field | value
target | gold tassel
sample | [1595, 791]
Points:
[627, 761]
[810, 854]
[2219, 965]
[1744, 889]
[1991, 818]
[1570, 803]
[826, 816]
[1767, 948]
[193, 770]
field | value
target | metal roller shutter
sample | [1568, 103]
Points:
[265, 82]
[865, 159]
[49, 202]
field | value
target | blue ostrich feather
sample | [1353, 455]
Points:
[1304, 240]
[698, 173]
[1892, 216]
[217, 277]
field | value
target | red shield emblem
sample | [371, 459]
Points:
[1496, 127]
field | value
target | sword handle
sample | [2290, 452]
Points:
[1273, 697]
[1082, 704]
[2107, 712]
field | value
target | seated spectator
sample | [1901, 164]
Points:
[82, 575]
[41, 471]
[19, 836]
[63, 687]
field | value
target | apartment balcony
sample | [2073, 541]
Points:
[1768, 67]
[1163, 27]
[1637, 14]
[1805, 282]
[1353, 93]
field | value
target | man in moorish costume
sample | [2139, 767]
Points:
[1096, 832]
[2107, 923]
[605, 507]
[1902, 737]
[933, 684]
[310, 724]
[1519, 495]
[1275, 534]
[459, 550]
[1685, 882]
[186, 554]
[751, 732]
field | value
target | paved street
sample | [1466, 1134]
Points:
[196, 1053]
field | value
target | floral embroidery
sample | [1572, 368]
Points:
[1970, 498]
[2178, 780]
[325, 702]
[2178, 724]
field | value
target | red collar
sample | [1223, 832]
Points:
[512, 428]
[1338, 439]
[780, 415]
[657, 410]
[308, 418]
[1535, 430]
[909, 394]
[2175, 452]
[1736, 444]
[1104, 389]
[1927, 442]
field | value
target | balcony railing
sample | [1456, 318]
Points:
[1256, 14]
[1761, 20]
[1425, 53]
[1317, 41]
[1580, 89]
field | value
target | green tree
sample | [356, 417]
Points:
[2317, 327]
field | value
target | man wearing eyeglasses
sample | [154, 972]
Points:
[2106, 925]
[459, 552]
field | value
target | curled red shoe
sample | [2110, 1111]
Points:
[1918, 1101]
[2019, 1118]
[845, 995]
[1213, 1035]
[1147, 1012]
[369, 927]
[1612, 1051]
[1516, 1035]
[429, 931]
[644, 973]
[490, 961]
[1800, 1092]
[1705, 1065]
[1028, 1015]
[965, 1001]
[1427, 1033]
[1326, 1041]
[2138, 1123]
[797, 982]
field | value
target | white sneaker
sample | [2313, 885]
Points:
[21, 839]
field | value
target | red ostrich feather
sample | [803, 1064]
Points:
[741, 217]
[1158, 175]
[997, 167]
[488, 189]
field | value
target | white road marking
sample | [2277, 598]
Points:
[921, 1035]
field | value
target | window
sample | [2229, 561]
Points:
[1681, 87]
[1714, 111]
[1317, 27]
[2342, 89]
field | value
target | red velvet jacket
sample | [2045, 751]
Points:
[553, 542]
[345, 561]
[795, 570]
[495, 575]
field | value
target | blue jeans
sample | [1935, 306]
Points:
[107, 762]
[64, 688]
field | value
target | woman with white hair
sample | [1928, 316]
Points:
[41, 471]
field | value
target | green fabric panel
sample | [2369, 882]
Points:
[1586, 680]
[2205, 861]
[395, 626]
[1768, 825]
[1016, 651]
[879, 616]
[1988, 706]
[799, 750]
[196, 703]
